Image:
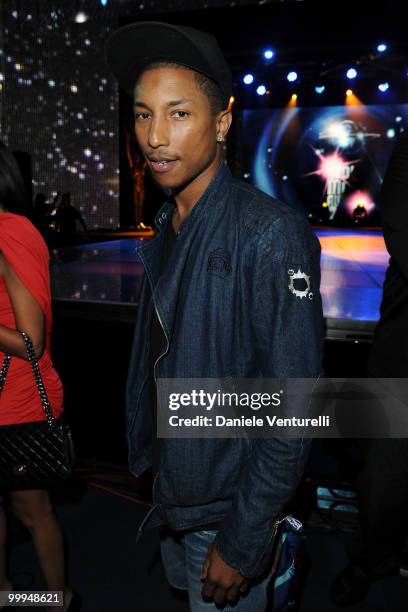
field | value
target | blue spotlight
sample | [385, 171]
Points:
[248, 79]
[383, 86]
[268, 54]
[381, 47]
[319, 89]
[104, 2]
[351, 73]
[292, 76]
[261, 90]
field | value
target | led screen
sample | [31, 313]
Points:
[328, 160]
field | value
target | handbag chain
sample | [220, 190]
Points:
[37, 376]
[4, 370]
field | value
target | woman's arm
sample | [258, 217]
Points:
[27, 313]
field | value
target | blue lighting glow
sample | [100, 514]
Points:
[381, 47]
[248, 79]
[383, 86]
[351, 73]
[104, 2]
[292, 76]
[268, 54]
[319, 89]
[261, 90]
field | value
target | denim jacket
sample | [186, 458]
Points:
[227, 310]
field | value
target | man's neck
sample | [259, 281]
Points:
[188, 197]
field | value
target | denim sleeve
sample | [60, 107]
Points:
[288, 332]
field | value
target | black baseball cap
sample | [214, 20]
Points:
[130, 49]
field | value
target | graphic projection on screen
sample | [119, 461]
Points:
[329, 161]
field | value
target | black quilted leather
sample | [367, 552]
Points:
[37, 454]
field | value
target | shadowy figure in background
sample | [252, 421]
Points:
[41, 212]
[382, 485]
[55, 203]
[66, 218]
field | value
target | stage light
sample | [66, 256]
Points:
[292, 76]
[359, 199]
[339, 133]
[261, 90]
[268, 54]
[381, 47]
[248, 79]
[293, 101]
[351, 99]
[351, 73]
[383, 86]
[81, 17]
[319, 89]
[325, 205]
[104, 2]
[391, 133]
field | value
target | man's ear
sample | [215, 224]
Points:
[224, 121]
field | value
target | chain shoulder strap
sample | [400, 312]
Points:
[37, 376]
[4, 370]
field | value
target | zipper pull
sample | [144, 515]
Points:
[143, 523]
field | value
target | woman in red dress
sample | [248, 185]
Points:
[25, 304]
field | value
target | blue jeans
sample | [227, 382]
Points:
[183, 556]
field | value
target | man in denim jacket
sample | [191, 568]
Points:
[217, 301]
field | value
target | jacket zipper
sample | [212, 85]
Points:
[167, 347]
[155, 505]
[155, 382]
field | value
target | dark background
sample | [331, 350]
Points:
[73, 136]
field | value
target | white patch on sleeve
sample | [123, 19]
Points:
[299, 276]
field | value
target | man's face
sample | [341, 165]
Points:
[174, 126]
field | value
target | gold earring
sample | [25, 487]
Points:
[220, 139]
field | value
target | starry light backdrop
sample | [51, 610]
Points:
[58, 101]
[60, 104]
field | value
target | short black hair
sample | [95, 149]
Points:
[13, 194]
[209, 87]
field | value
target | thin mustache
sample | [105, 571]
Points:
[155, 157]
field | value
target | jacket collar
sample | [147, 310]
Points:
[202, 207]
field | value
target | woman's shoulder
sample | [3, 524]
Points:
[20, 228]
[8, 218]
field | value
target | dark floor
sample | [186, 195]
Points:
[114, 574]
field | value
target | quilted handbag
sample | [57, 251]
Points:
[38, 454]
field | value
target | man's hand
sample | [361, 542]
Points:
[222, 583]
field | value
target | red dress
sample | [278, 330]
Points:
[26, 252]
